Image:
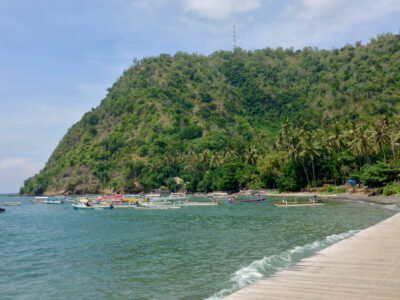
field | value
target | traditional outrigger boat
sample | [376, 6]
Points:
[39, 200]
[236, 200]
[285, 203]
[164, 205]
[12, 203]
[46, 200]
[86, 204]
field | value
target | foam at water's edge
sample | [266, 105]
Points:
[270, 264]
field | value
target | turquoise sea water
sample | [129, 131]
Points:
[55, 252]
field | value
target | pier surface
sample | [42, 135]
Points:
[365, 266]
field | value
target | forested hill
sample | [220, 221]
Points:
[264, 118]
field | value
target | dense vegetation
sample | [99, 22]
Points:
[266, 118]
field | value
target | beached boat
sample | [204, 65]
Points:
[153, 195]
[218, 195]
[285, 203]
[12, 203]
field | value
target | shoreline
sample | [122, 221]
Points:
[383, 200]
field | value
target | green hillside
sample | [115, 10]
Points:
[265, 118]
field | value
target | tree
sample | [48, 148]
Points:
[359, 142]
[380, 137]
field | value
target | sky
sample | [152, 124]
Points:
[57, 58]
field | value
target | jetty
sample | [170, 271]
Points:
[365, 266]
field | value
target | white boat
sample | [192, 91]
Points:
[86, 204]
[12, 203]
[218, 196]
[46, 200]
[157, 205]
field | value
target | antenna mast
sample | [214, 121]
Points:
[234, 37]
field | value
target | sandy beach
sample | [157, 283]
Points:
[384, 200]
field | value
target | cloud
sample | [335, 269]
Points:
[219, 10]
[349, 11]
[322, 23]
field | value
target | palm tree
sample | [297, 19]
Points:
[379, 137]
[394, 138]
[294, 153]
[359, 143]
[284, 134]
[228, 154]
[335, 138]
[251, 156]
[204, 158]
[394, 135]
[215, 159]
[309, 148]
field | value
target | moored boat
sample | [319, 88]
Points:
[39, 200]
[12, 203]
[236, 200]
[46, 200]
[2, 210]
[159, 207]
[54, 201]
[285, 203]
[86, 204]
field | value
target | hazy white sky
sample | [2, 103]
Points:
[57, 58]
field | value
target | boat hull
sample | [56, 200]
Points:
[92, 207]
[46, 202]
[12, 203]
[248, 201]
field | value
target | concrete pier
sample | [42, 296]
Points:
[365, 266]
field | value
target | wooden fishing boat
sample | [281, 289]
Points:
[54, 201]
[236, 200]
[39, 200]
[296, 204]
[97, 206]
[159, 207]
[46, 200]
[12, 203]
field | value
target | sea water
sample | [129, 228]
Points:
[55, 252]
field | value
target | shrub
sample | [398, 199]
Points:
[378, 174]
[391, 189]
